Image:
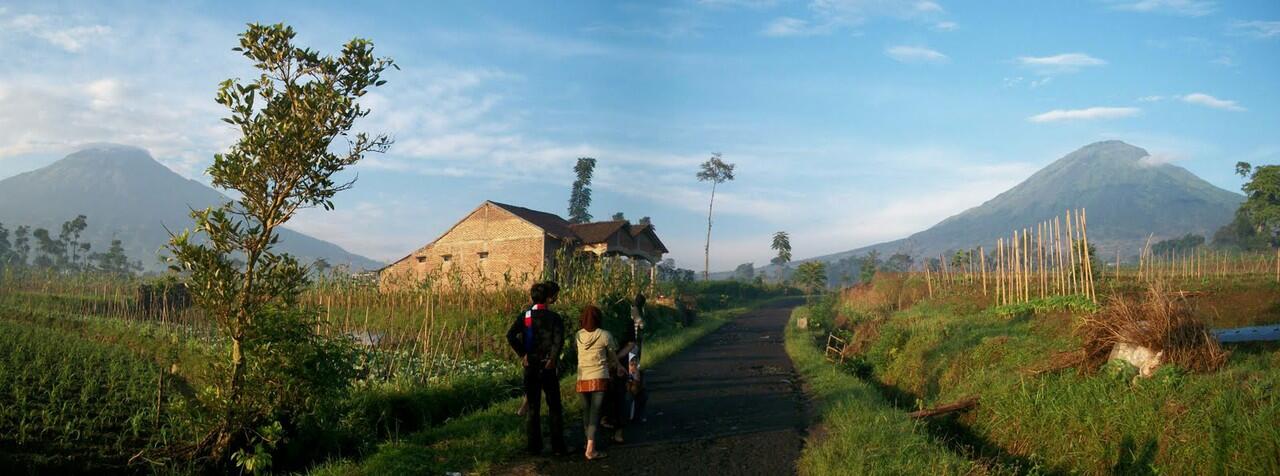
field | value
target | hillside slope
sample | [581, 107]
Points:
[1127, 195]
[126, 194]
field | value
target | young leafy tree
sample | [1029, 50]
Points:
[870, 265]
[619, 216]
[115, 261]
[1262, 199]
[70, 238]
[21, 244]
[7, 256]
[289, 117]
[716, 171]
[580, 196]
[812, 276]
[646, 221]
[782, 245]
[53, 254]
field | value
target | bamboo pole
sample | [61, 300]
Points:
[1026, 265]
[1084, 233]
[1013, 268]
[1057, 243]
[927, 280]
[1038, 257]
[982, 257]
[1071, 252]
[1000, 285]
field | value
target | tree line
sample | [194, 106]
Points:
[27, 247]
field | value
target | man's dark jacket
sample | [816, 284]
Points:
[548, 336]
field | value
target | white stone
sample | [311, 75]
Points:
[1141, 357]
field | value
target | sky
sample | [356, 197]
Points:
[850, 122]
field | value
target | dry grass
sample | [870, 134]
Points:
[1160, 321]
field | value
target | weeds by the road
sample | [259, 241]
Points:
[860, 432]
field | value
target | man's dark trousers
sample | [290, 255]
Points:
[538, 380]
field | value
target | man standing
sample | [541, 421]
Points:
[537, 336]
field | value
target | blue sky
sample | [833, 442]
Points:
[851, 121]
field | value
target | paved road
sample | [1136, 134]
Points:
[731, 403]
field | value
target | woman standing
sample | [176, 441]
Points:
[597, 361]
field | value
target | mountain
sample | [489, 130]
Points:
[126, 194]
[1127, 194]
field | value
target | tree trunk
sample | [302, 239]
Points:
[706, 256]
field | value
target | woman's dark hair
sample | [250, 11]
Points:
[538, 293]
[590, 319]
[640, 300]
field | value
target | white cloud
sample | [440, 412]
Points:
[1151, 99]
[1060, 63]
[1085, 114]
[1257, 29]
[752, 4]
[71, 39]
[915, 54]
[832, 15]
[1191, 8]
[946, 26]
[1160, 158]
[1210, 101]
[787, 26]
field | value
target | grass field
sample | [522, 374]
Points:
[956, 346]
[858, 430]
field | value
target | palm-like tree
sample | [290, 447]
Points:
[716, 171]
[781, 244]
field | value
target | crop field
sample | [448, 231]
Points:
[100, 375]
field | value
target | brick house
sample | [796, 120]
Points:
[497, 241]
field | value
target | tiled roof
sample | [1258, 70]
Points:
[551, 223]
[637, 230]
[597, 232]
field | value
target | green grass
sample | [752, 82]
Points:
[481, 441]
[1175, 422]
[860, 432]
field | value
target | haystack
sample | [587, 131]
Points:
[1158, 328]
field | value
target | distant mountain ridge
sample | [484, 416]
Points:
[1128, 196]
[126, 194]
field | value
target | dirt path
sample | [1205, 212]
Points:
[729, 404]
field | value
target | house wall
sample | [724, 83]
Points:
[512, 245]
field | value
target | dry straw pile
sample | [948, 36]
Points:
[1160, 321]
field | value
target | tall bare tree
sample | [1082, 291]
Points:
[716, 171]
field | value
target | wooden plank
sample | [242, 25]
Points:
[964, 404]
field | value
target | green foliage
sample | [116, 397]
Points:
[279, 371]
[69, 404]
[580, 196]
[1173, 422]
[114, 261]
[1179, 246]
[1262, 199]
[745, 272]
[1074, 304]
[1240, 235]
[863, 432]
[811, 276]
